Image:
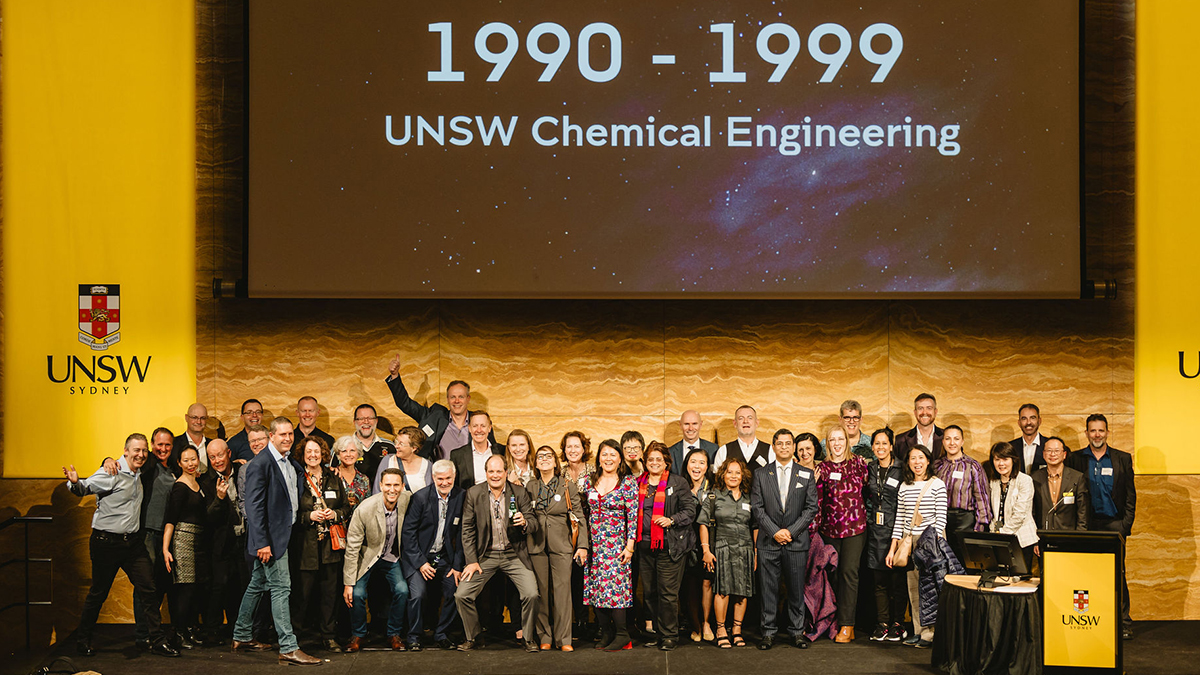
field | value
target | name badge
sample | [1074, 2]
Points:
[837, 475]
[878, 517]
[892, 482]
[1106, 472]
[762, 461]
[745, 507]
[330, 494]
[957, 474]
[1068, 499]
[670, 491]
[558, 498]
[455, 521]
[427, 430]
[804, 474]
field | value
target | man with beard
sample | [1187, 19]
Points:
[926, 433]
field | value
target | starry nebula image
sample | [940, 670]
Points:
[613, 149]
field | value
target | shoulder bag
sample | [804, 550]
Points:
[904, 547]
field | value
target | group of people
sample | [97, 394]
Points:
[285, 528]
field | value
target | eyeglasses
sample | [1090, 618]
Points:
[198, 418]
[365, 419]
[852, 418]
[545, 455]
[252, 412]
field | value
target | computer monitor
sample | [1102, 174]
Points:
[992, 555]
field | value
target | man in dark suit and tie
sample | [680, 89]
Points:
[1060, 493]
[1113, 495]
[497, 518]
[433, 551]
[469, 459]
[445, 429]
[1030, 446]
[752, 451]
[783, 502]
[926, 433]
[690, 423]
[272, 497]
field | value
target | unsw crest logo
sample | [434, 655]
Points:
[1081, 619]
[99, 315]
[99, 326]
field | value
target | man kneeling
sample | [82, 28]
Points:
[497, 516]
[373, 546]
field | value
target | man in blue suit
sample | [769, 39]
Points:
[272, 494]
[690, 423]
[783, 502]
[432, 551]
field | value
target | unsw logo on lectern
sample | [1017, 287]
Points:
[99, 315]
[1081, 601]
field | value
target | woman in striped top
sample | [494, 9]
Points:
[924, 493]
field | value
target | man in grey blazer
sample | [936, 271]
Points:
[1060, 493]
[690, 423]
[373, 546]
[783, 501]
[497, 518]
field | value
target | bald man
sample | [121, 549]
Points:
[197, 419]
[690, 423]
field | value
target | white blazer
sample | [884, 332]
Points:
[1018, 509]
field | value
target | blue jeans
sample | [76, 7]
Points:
[395, 578]
[274, 580]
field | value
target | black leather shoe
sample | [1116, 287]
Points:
[332, 645]
[414, 645]
[766, 643]
[1127, 633]
[802, 642]
[668, 645]
[444, 643]
[84, 648]
[470, 645]
[532, 647]
[142, 644]
[164, 648]
[184, 641]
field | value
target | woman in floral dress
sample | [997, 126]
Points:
[612, 519]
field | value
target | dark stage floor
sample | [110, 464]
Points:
[1169, 648]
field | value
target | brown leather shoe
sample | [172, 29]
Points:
[568, 648]
[397, 643]
[354, 645]
[299, 658]
[845, 635]
[253, 646]
[545, 646]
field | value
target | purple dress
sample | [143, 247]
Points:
[612, 522]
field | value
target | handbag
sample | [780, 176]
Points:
[904, 547]
[571, 517]
[337, 531]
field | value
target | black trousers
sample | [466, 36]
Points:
[1118, 526]
[958, 520]
[849, 550]
[229, 580]
[111, 553]
[776, 567]
[322, 586]
[891, 595]
[164, 585]
[661, 578]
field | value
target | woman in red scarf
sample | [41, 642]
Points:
[666, 510]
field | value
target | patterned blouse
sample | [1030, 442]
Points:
[966, 488]
[357, 490]
[840, 506]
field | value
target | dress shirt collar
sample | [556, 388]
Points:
[275, 453]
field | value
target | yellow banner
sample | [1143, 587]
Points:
[99, 227]
[1079, 609]
[1167, 341]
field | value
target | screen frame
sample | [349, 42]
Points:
[1086, 287]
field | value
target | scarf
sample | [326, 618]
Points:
[660, 500]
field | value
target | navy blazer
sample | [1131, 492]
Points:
[770, 516]
[420, 527]
[1039, 462]
[679, 452]
[269, 512]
